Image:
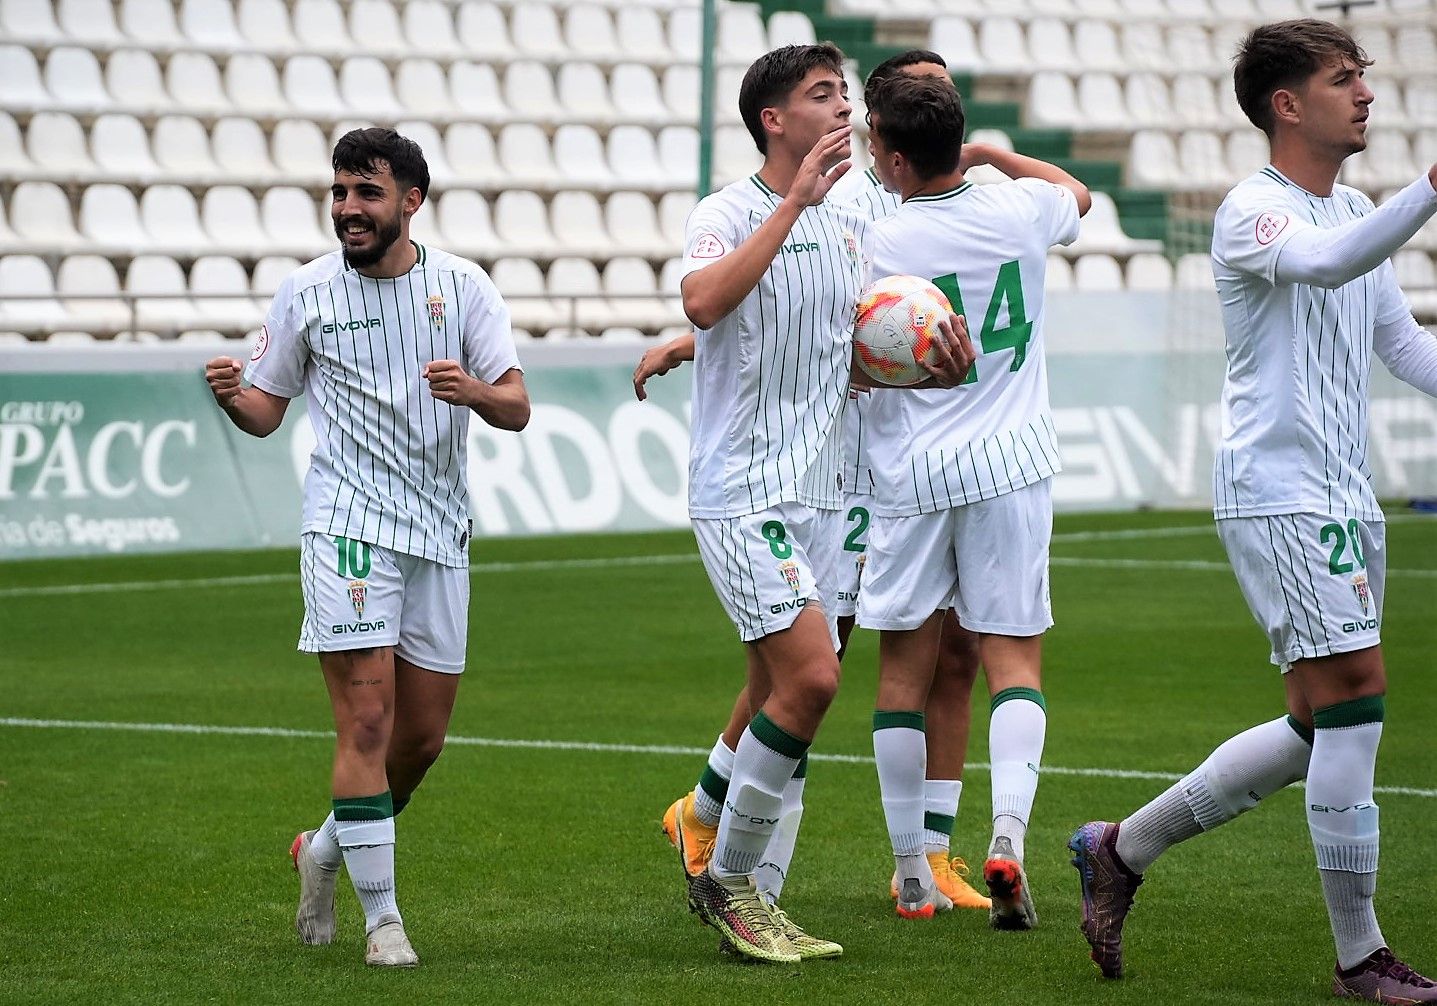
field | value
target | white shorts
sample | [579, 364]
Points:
[857, 514]
[358, 595]
[1314, 583]
[768, 566]
[986, 560]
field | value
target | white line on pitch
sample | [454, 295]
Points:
[543, 745]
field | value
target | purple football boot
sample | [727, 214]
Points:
[1108, 889]
[1382, 978]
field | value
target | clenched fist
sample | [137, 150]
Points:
[449, 383]
[223, 376]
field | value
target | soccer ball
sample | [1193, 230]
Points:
[896, 327]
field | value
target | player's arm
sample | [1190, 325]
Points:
[252, 410]
[1329, 257]
[659, 360]
[711, 293]
[504, 404]
[1016, 165]
[1409, 351]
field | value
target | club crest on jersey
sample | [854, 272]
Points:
[851, 243]
[357, 591]
[1360, 588]
[789, 569]
[436, 309]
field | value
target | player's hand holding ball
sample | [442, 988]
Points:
[952, 355]
[223, 376]
[449, 383]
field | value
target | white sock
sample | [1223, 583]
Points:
[1343, 820]
[1242, 771]
[770, 874]
[713, 783]
[1015, 744]
[324, 845]
[765, 761]
[940, 812]
[369, 857]
[901, 751]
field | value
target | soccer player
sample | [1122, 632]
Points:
[772, 273]
[394, 344]
[1308, 295]
[962, 501]
[949, 709]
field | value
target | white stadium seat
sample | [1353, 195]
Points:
[463, 217]
[685, 34]
[1052, 101]
[470, 149]
[291, 219]
[20, 80]
[210, 25]
[579, 158]
[29, 276]
[134, 81]
[74, 83]
[1097, 274]
[483, 33]
[674, 210]
[583, 92]
[1096, 44]
[577, 282]
[734, 154]
[534, 30]
[365, 87]
[231, 219]
[40, 216]
[110, 220]
[182, 147]
[641, 35]
[578, 224]
[634, 159]
[57, 147]
[423, 89]
[633, 226]
[441, 174]
[319, 27]
[474, 88]
[310, 88]
[1102, 232]
[29, 23]
[1153, 161]
[1059, 276]
[1149, 103]
[429, 29]
[790, 27]
[1003, 46]
[953, 38]
[1247, 152]
[679, 155]
[13, 162]
[1203, 162]
[90, 23]
[1101, 104]
[681, 92]
[636, 96]
[1190, 47]
[634, 293]
[1051, 45]
[164, 304]
[193, 83]
[524, 153]
[151, 23]
[589, 34]
[742, 37]
[1195, 102]
[522, 284]
[90, 290]
[1194, 272]
[220, 291]
[172, 220]
[1142, 45]
[241, 147]
[522, 223]
[265, 25]
[269, 273]
[300, 152]
[1149, 271]
[529, 91]
[121, 148]
[253, 86]
[374, 26]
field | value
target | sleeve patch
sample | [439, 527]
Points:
[707, 245]
[261, 344]
[1270, 225]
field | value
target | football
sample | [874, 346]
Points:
[896, 327]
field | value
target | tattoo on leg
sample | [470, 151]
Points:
[366, 681]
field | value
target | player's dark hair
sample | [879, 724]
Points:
[774, 75]
[922, 119]
[1281, 56]
[361, 150]
[894, 65]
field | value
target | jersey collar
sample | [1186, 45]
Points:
[936, 196]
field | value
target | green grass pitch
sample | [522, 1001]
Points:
[147, 866]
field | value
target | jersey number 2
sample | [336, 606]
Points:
[1340, 538]
[1014, 336]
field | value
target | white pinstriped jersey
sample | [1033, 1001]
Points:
[771, 378]
[986, 247]
[389, 465]
[1294, 401]
[863, 191]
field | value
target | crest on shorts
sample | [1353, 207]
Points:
[860, 561]
[436, 309]
[1364, 595]
[789, 569]
[357, 591]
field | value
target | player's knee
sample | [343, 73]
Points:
[423, 751]
[365, 730]
[815, 683]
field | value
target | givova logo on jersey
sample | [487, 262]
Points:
[353, 325]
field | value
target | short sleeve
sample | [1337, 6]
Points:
[709, 235]
[282, 350]
[488, 336]
[1058, 219]
[1250, 232]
